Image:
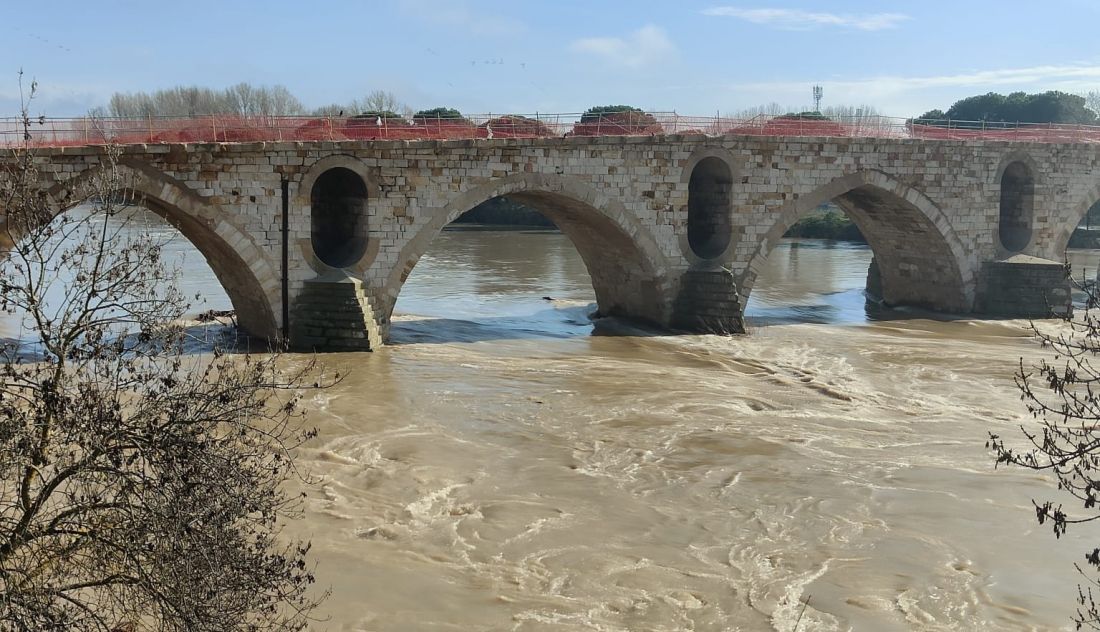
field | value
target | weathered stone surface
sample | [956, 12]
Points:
[874, 281]
[1024, 287]
[708, 302]
[929, 209]
[332, 312]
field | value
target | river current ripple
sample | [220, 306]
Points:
[504, 464]
[500, 467]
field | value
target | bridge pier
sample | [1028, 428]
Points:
[1022, 286]
[708, 302]
[332, 313]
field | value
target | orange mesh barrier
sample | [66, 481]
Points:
[61, 132]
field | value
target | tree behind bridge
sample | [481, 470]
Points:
[375, 101]
[1045, 107]
[242, 99]
[141, 488]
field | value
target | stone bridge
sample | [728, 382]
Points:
[314, 240]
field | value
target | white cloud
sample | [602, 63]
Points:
[798, 19]
[648, 45]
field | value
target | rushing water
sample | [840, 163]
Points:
[499, 467]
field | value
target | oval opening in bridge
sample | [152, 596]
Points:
[1017, 206]
[339, 217]
[709, 208]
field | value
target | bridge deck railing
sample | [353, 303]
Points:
[60, 132]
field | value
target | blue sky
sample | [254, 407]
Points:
[524, 56]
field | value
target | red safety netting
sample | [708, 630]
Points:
[61, 132]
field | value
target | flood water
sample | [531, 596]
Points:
[506, 465]
[500, 467]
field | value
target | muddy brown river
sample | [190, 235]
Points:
[506, 465]
[503, 466]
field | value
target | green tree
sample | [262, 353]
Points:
[934, 115]
[1045, 107]
[831, 224]
[616, 119]
[594, 114]
[440, 113]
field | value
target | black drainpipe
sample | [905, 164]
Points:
[286, 259]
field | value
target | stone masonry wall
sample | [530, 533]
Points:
[623, 201]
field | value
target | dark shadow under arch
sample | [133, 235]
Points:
[338, 217]
[920, 260]
[709, 209]
[1017, 206]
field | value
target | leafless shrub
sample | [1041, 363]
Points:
[1064, 442]
[141, 488]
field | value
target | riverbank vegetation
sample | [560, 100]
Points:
[504, 212]
[828, 224]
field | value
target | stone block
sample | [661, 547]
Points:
[1024, 287]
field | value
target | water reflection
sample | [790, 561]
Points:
[484, 284]
[1082, 264]
[476, 284]
[196, 281]
[813, 281]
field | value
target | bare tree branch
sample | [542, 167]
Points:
[141, 488]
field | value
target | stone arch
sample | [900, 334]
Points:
[921, 260]
[304, 199]
[1015, 184]
[629, 273]
[249, 279]
[1076, 214]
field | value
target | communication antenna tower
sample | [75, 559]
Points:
[818, 93]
